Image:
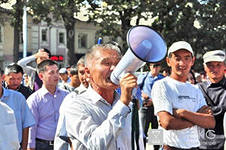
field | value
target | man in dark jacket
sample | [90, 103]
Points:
[214, 91]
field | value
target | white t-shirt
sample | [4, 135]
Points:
[168, 94]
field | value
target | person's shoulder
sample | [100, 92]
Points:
[73, 101]
[63, 91]
[163, 79]
[15, 94]
[160, 76]
[37, 96]
[203, 84]
[25, 89]
[5, 109]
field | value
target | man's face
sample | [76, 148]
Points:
[75, 79]
[215, 70]
[155, 68]
[82, 75]
[64, 77]
[102, 66]
[50, 76]
[180, 62]
[13, 80]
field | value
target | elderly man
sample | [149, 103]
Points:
[99, 118]
[45, 104]
[214, 91]
[179, 105]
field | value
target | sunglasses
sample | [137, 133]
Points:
[156, 65]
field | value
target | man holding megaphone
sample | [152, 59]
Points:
[100, 118]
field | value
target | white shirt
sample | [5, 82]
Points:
[168, 94]
[9, 135]
[92, 123]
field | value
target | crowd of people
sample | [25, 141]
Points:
[45, 107]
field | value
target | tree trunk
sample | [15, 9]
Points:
[70, 29]
[17, 29]
[16, 43]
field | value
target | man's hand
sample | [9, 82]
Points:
[127, 83]
[205, 110]
[178, 113]
[147, 101]
[41, 54]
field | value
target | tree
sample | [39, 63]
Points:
[15, 17]
[115, 16]
[3, 1]
[212, 19]
[53, 10]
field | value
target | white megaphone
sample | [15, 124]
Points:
[145, 45]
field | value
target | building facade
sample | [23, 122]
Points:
[41, 35]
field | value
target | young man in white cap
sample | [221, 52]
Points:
[214, 91]
[179, 105]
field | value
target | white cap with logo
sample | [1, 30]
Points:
[180, 45]
[215, 55]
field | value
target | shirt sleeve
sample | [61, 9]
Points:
[23, 63]
[202, 101]
[32, 130]
[161, 98]
[95, 135]
[61, 137]
[27, 117]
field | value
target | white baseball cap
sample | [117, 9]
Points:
[63, 71]
[180, 45]
[215, 55]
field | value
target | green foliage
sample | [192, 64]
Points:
[115, 17]
[202, 25]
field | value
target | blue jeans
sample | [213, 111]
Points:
[43, 146]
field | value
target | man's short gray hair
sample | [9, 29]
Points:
[90, 54]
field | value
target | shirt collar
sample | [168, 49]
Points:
[222, 82]
[95, 97]
[44, 91]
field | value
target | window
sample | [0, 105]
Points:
[44, 35]
[61, 38]
[82, 40]
[1, 36]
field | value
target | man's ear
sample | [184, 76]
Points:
[168, 61]
[193, 60]
[40, 75]
[87, 73]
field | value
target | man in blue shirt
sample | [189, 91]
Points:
[145, 83]
[24, 119]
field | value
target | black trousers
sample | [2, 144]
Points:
[147, 116]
